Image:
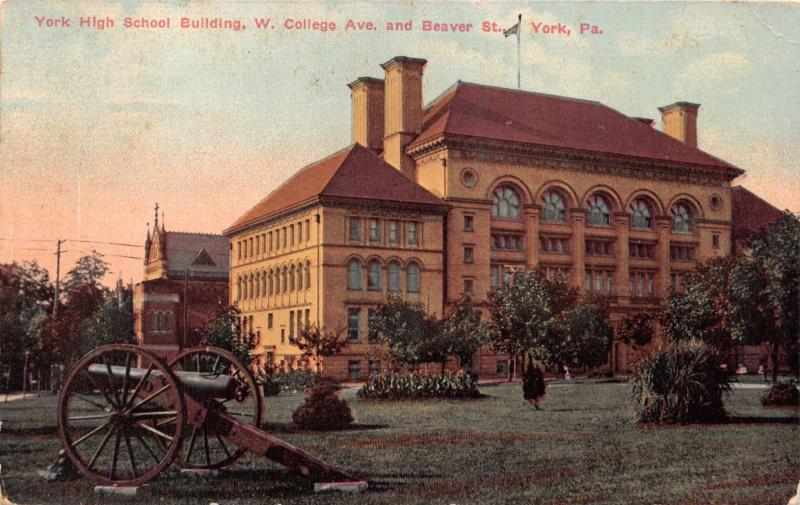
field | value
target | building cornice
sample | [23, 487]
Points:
[515, 153]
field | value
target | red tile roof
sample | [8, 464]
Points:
[476, 110]
[751, 213]
[353, 172]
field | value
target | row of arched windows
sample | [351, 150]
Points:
[274, 281]
[392, 275]
[161, 321]
[506, 204]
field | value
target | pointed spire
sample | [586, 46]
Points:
[163, 222]
[148, 232]
[156, 212]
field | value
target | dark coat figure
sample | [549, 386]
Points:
[533, 385]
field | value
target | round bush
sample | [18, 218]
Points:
[323, 410]
[781, 394]
[683, 383]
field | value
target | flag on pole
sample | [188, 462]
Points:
[514, 30]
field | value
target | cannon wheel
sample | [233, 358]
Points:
[111, 424]
[204, 447]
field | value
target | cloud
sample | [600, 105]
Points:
[713, 72]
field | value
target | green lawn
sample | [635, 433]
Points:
[583, 447]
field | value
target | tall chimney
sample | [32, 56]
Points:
[367, 98]
[680, 121]
[402, 110]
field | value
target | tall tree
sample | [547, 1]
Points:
[88, 271]
[110, 323]
[463, 332]
[580, 336]
[404, 329]
[315, 342]
[225, 331]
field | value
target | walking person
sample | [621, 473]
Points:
[533, 385]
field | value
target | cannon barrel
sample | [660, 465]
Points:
[198, 385]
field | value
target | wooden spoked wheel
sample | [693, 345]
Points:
[113, 408]
[204, 447]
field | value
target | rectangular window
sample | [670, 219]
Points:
[394, 236]
[308, 230]
[291, 234]
[554, 245]
[277, 240]
[506, 242]
[641, 284]
[681, 252]
[283, 335]
[469, 254]
[599, 247]
[354, 370]
[469, 223]
[299, 322]
[269, 321]
[299, 232]
[715, 241]
[372, 314]
[469, 287]
[353, 323]
[308, 318]
[374, 230]
[239, 248]
[269, 238]
[639, 250]
[283, 238]
[559, 274]
[495, 271]
[263, 243]
[291, 324]
[355, 228]
[411, 233]
[258, 244]
[502, 368]
[374, 367]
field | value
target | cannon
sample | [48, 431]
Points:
[126, 415]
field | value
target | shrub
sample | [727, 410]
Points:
[781, 393]
[533, 384]
[323, 410]
[680, 384]
[392, 386]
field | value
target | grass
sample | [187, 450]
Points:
[583, 447]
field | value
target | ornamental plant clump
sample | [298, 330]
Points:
[395, 386]
[683, 383]
[781, 394]
[323, 410]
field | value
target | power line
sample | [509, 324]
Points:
[70, 240]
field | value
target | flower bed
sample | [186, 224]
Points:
[394, 386]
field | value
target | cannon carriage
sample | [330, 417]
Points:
[126, 415]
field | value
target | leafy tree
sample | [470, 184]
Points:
[404, 329]
[225, 331]
[776, 258]
[637, 329]
[463, 332]
[318, 343]
[582, 336]
[111, 322]
[88, 271]
[521, 315]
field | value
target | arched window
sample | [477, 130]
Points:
[641, 214]
[299, 276]
[284, 280]
[154, 322]
[599, 211]
[291, 278]
[257, 279]
[354, 275]
[168, 322]
[161, 322]
[394, 277]
[264, 284]
[308, 271]
[506, 204]
[271, 283]
[553, 208]
[374, 276]
[239, 288]
[681, 218]
[251, 290]
[413, 278]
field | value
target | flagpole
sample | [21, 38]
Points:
[519, 35]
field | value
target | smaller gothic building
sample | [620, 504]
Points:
[185, 283]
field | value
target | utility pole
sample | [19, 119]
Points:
[185, 303]
[58, 278]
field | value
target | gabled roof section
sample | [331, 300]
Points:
[354, 172]
[480, 111]
[751, 213]
[200, 253]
